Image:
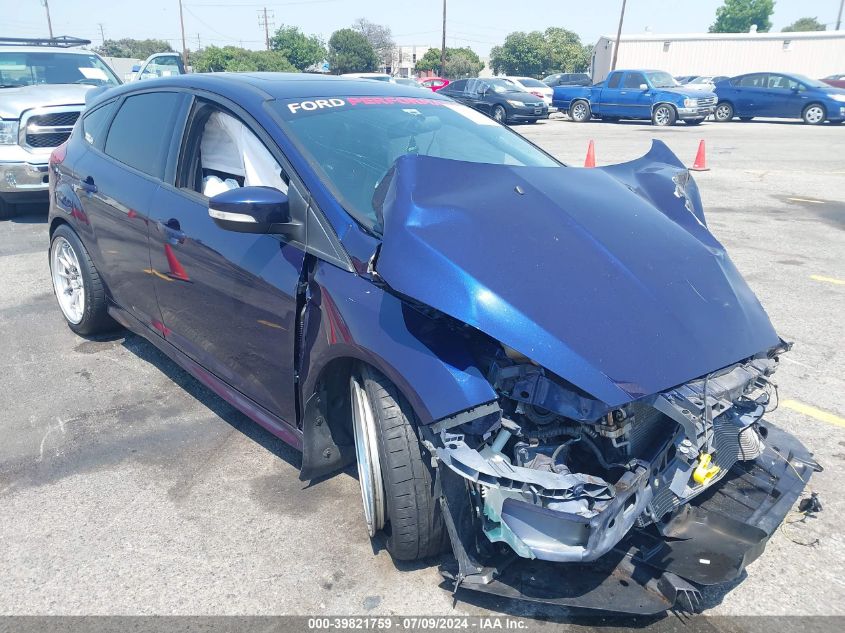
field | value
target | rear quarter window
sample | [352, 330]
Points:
[140, 134]
[95, 124]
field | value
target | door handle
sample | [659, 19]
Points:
[173, 230]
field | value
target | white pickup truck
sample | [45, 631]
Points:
[42, 92]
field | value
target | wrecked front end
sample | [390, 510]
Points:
[626, 461]
[625, 509]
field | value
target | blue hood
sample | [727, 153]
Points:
[603, 276]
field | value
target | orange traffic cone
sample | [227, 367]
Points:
[700, 163]
[591, 155]
[176, 269]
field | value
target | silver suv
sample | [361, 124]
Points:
[42, 92]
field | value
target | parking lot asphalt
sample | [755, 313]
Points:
[127, 488]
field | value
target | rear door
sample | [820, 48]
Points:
[118, 177]
[228, 300]
[752, 98]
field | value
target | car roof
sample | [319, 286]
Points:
[271, 86]
[45, 49]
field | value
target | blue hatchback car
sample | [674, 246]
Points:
[557, 373]
[779, 95]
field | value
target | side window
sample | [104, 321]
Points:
[474, 86]
[633, 80]
[141, 131]
[613, 82]
[222, 153]
[456, 87]
[95, 124]
[753, 81]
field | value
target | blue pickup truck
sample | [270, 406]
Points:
[636, 94]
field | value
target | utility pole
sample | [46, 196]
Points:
[199, 42]
[102, 33]
[264, 21]
[49, 23]
[618, 36]
[839, 17]
[443, 44]
[184, 46]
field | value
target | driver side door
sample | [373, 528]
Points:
[227, 300]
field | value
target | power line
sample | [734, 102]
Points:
[264, 21]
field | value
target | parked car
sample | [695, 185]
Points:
[42, 91]
[837, 80]
[159, 65]
[499, 99]
[512, 372]
[705, 82]
[434, 83]
[534, 87]
[779, 95]
[407, 81]
[568, 79]
[636, 94]
[685, 79]
[374, 76]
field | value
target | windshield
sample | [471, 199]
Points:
[502, 85]
[661, 80]
[352, 142]
[32, 68]
[812, 83]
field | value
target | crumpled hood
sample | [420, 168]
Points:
[15, 101]
[602, 276]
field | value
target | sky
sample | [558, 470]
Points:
[479, 24]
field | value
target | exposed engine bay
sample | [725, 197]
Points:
[562, 479]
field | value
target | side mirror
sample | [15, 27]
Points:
[643, 87]
[136, 68]
[254, 210]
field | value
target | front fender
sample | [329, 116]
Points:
[348, 317]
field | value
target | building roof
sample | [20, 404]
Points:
[666, 37]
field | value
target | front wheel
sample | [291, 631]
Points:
[724, 112]
[814, 114]
[499, 114]
[394, 471]
[77, 284]
[663, 115]
[580, 112]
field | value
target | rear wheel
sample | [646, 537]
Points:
[394, 470]
[814, 114]
[663, 115]
[499, 114]
[724, 112]
[77, 284]
[580, 111]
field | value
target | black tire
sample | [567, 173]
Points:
[724, 112]
[7, 210]
[694, 121]
[414, 524]
[499, 114]
[95, 317]
[664, 115]
[814, 114]
[579, 111]
[746, 118]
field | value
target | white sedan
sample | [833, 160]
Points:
[536, 88]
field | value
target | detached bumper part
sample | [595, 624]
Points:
[654, 568]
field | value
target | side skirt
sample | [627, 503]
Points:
[245, 405]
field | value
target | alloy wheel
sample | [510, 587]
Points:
[499, 114]
[814, 114]
[662, 116]
[723, 112]
[67, 280]
[579, 111]
[366, 451]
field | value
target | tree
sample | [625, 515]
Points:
[301, 50]
[737, 16]
[379, 37]
[136, 49]
[537, 54]
[805, 24]
[460, 62]
[235, 59]
[349, 52]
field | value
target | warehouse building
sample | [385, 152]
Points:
[815, 53]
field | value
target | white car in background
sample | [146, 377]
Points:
[373, 76]
[705, 82]
[536, 88]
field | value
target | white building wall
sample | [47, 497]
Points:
[815, 54]
[405, 60]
